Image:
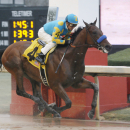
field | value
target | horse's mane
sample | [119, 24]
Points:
[76, 32]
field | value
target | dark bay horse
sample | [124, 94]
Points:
[70, 72]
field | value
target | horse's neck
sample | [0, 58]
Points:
[76, 55]
[79, 42]
[79, 53]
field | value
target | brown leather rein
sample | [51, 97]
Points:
[86, 44]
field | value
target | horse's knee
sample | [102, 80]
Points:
[22, 93]
[68, 104]
[18, 92]
[96, 87]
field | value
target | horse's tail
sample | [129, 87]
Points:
[1, 53]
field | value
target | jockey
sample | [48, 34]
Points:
[51, 32]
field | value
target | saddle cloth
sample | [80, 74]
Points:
[31, 53]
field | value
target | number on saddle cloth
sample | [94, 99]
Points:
[32, 53]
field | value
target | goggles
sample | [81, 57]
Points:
[72, 25]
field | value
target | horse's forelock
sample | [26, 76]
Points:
[92, 24]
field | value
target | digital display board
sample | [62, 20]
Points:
[23, 23]
[20, 24]
[21, 30]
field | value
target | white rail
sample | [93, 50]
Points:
[95, 70]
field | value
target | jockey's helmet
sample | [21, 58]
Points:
[71, 18]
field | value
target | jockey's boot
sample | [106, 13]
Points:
[40, 58]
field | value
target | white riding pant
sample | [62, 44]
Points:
[46, 38]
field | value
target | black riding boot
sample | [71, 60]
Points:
[40, 58]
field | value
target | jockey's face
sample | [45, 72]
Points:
[70, 26]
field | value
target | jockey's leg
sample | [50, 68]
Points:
[44, 50]
[48, 39]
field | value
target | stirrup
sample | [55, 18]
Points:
[40, 58]
[41, 42]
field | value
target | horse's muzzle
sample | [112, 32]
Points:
[108, 47]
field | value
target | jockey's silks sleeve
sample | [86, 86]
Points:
[56, 29]
[56, 36]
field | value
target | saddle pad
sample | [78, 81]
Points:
[31, 53]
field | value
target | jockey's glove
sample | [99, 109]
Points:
[68, 42]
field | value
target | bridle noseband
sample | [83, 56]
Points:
[96, 43]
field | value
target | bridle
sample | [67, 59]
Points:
[96, 43]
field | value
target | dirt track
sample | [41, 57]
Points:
[12, 122]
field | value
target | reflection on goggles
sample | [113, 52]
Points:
[73, 25]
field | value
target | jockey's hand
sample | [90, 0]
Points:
[68, 42]
[61, 38]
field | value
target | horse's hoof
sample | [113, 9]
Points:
[91, 114]
[41, 108]
[57, 115]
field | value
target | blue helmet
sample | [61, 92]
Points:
[71, 18]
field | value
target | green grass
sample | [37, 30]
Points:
[120, 58]
[122, 115]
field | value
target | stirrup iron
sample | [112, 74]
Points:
[41, 42]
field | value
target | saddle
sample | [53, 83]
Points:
[32, 52]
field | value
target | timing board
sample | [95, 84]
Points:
[22, 23]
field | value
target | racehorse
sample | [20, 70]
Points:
[70, 72]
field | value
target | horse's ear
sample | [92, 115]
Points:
[95, 22]
[87, 25]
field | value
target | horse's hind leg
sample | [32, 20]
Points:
[20, 89]
[87, 84]
[21, 92]
[36, 86]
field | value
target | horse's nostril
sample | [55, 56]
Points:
[108, 47]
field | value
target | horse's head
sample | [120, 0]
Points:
[95, 37]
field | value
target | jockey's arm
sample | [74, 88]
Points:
[56, 36]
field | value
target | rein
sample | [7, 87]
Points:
[78, 45]
[88, 45]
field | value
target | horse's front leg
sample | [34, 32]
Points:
[87, 84]
[59, 90]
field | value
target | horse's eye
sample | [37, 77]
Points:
[94, 33]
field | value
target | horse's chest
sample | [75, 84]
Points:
[70, 80]
[74, 76]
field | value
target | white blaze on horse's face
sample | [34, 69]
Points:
[103, 50]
